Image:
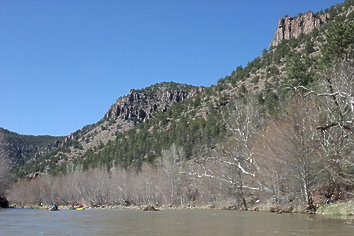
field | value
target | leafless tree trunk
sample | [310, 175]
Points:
[233, 162]
[4, 174]
[336, 95]
[171, 164]
[288, 152]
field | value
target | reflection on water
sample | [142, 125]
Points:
[166, 222]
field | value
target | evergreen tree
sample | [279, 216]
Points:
[339, 43]
[298, 73]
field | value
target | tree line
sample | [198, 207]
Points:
[281, 153]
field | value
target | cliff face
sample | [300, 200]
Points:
[137, 106]
[289, 27]
[142, 104]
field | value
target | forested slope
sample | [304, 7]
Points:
[279, 130]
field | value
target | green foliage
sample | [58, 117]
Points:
[242, 90]
[182, 123]
[339, 43]
[273, 70]
[153, 89]
[348, 4]
[271, 100]
[281, 51]
[40, 140]
[298, 71]
[309, 47]
[255, 80]
[143, 144]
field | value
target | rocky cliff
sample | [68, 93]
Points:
[142, 104]
[263, 76]
[137, 106]
[289, 27]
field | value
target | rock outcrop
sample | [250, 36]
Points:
[4, 203]
[142, 104]
[34, 175]
[289, 27]
[150, 208]
[137, 106]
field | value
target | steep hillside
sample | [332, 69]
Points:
[20, 149]
[278, 131]
[145, 122]
[138, 106]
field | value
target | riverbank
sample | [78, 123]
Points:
[339, 209]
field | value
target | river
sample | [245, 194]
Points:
[165, 222]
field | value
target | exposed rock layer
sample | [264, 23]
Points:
[289, 27]
[139, 105]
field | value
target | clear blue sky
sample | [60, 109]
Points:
[63, 63]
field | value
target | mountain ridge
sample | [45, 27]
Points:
[276, 134]
[20, 149]
[261, 76]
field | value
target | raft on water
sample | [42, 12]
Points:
[53, 209]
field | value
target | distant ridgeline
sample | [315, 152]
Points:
[139, 126]
[20, 149]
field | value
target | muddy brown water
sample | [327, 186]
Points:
[166, 222]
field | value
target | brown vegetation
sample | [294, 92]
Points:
[285, 161]
[4, 174]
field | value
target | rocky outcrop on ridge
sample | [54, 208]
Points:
[137, 106]
[289, 27]
[142, 104]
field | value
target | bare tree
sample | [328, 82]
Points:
[171, 163]
[337, 131]
[232, 163]
[336, 119]
[288, 153]
[4, 174]
[272, 161]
